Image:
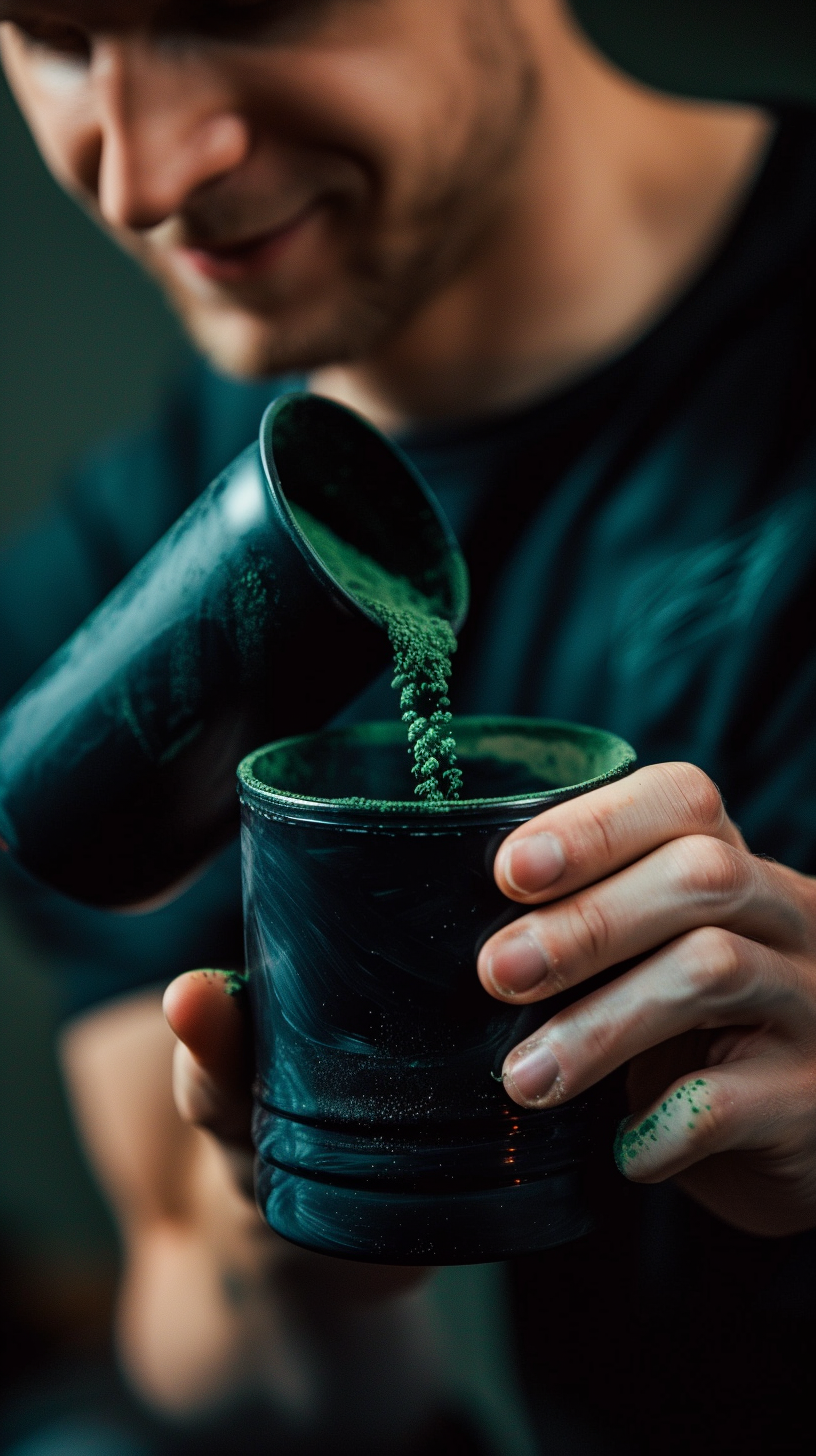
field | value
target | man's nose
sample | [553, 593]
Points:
[166, 129]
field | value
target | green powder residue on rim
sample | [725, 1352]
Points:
[422, 642]
[507, 761]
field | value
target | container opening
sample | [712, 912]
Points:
[501, 758]
[329, 463]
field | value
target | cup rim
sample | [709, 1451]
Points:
[284, 803]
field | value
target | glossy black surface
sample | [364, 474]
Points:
[382, 1128]
[117, 761]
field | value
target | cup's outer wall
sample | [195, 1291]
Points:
[382, 1128]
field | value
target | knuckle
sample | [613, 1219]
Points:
[715, 964]
[193, 1092]
[602, 823]
[601, 1038]
[712, 1131]
[709, 868]
[696, 794]
[195, 1108]
[188, 1107]
[590, 927]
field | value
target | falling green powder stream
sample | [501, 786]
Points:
[422, 643]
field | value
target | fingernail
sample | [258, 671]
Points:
[517, 964]
[533, 1074]
[533, 863]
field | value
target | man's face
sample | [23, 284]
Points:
[300, 175]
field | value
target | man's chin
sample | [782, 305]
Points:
[237, 346]
[248, 346]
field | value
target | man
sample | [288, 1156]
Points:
[588, 312]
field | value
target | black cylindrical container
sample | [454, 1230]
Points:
[381, 1126]
[117, 761]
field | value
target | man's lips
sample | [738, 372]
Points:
[238, 262]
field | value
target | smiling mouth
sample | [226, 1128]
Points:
[237, 262]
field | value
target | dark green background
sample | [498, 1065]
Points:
[85, 345]
[727, 49]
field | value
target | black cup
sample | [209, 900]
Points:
[382, 1129]
[117, 761]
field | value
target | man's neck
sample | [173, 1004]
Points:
[619, 200]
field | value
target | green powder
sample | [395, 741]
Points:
[686, 1103]
[422, 642]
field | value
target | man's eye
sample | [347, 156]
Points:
[62, 40]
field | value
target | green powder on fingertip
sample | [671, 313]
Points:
[422, 642]
[686, 1104]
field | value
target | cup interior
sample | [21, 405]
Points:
[502, 759]
[330, 462]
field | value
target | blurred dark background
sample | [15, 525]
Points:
[86, 345]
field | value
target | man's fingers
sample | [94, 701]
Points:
[682, 885]
[212, 1068]
[588, 838]
[706, 980]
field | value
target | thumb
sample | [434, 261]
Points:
[212, 1071]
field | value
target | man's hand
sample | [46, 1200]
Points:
[351, 1340]
[214, 1307]
[718, 1018]
[212, 1085]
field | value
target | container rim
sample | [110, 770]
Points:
[283, 803]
